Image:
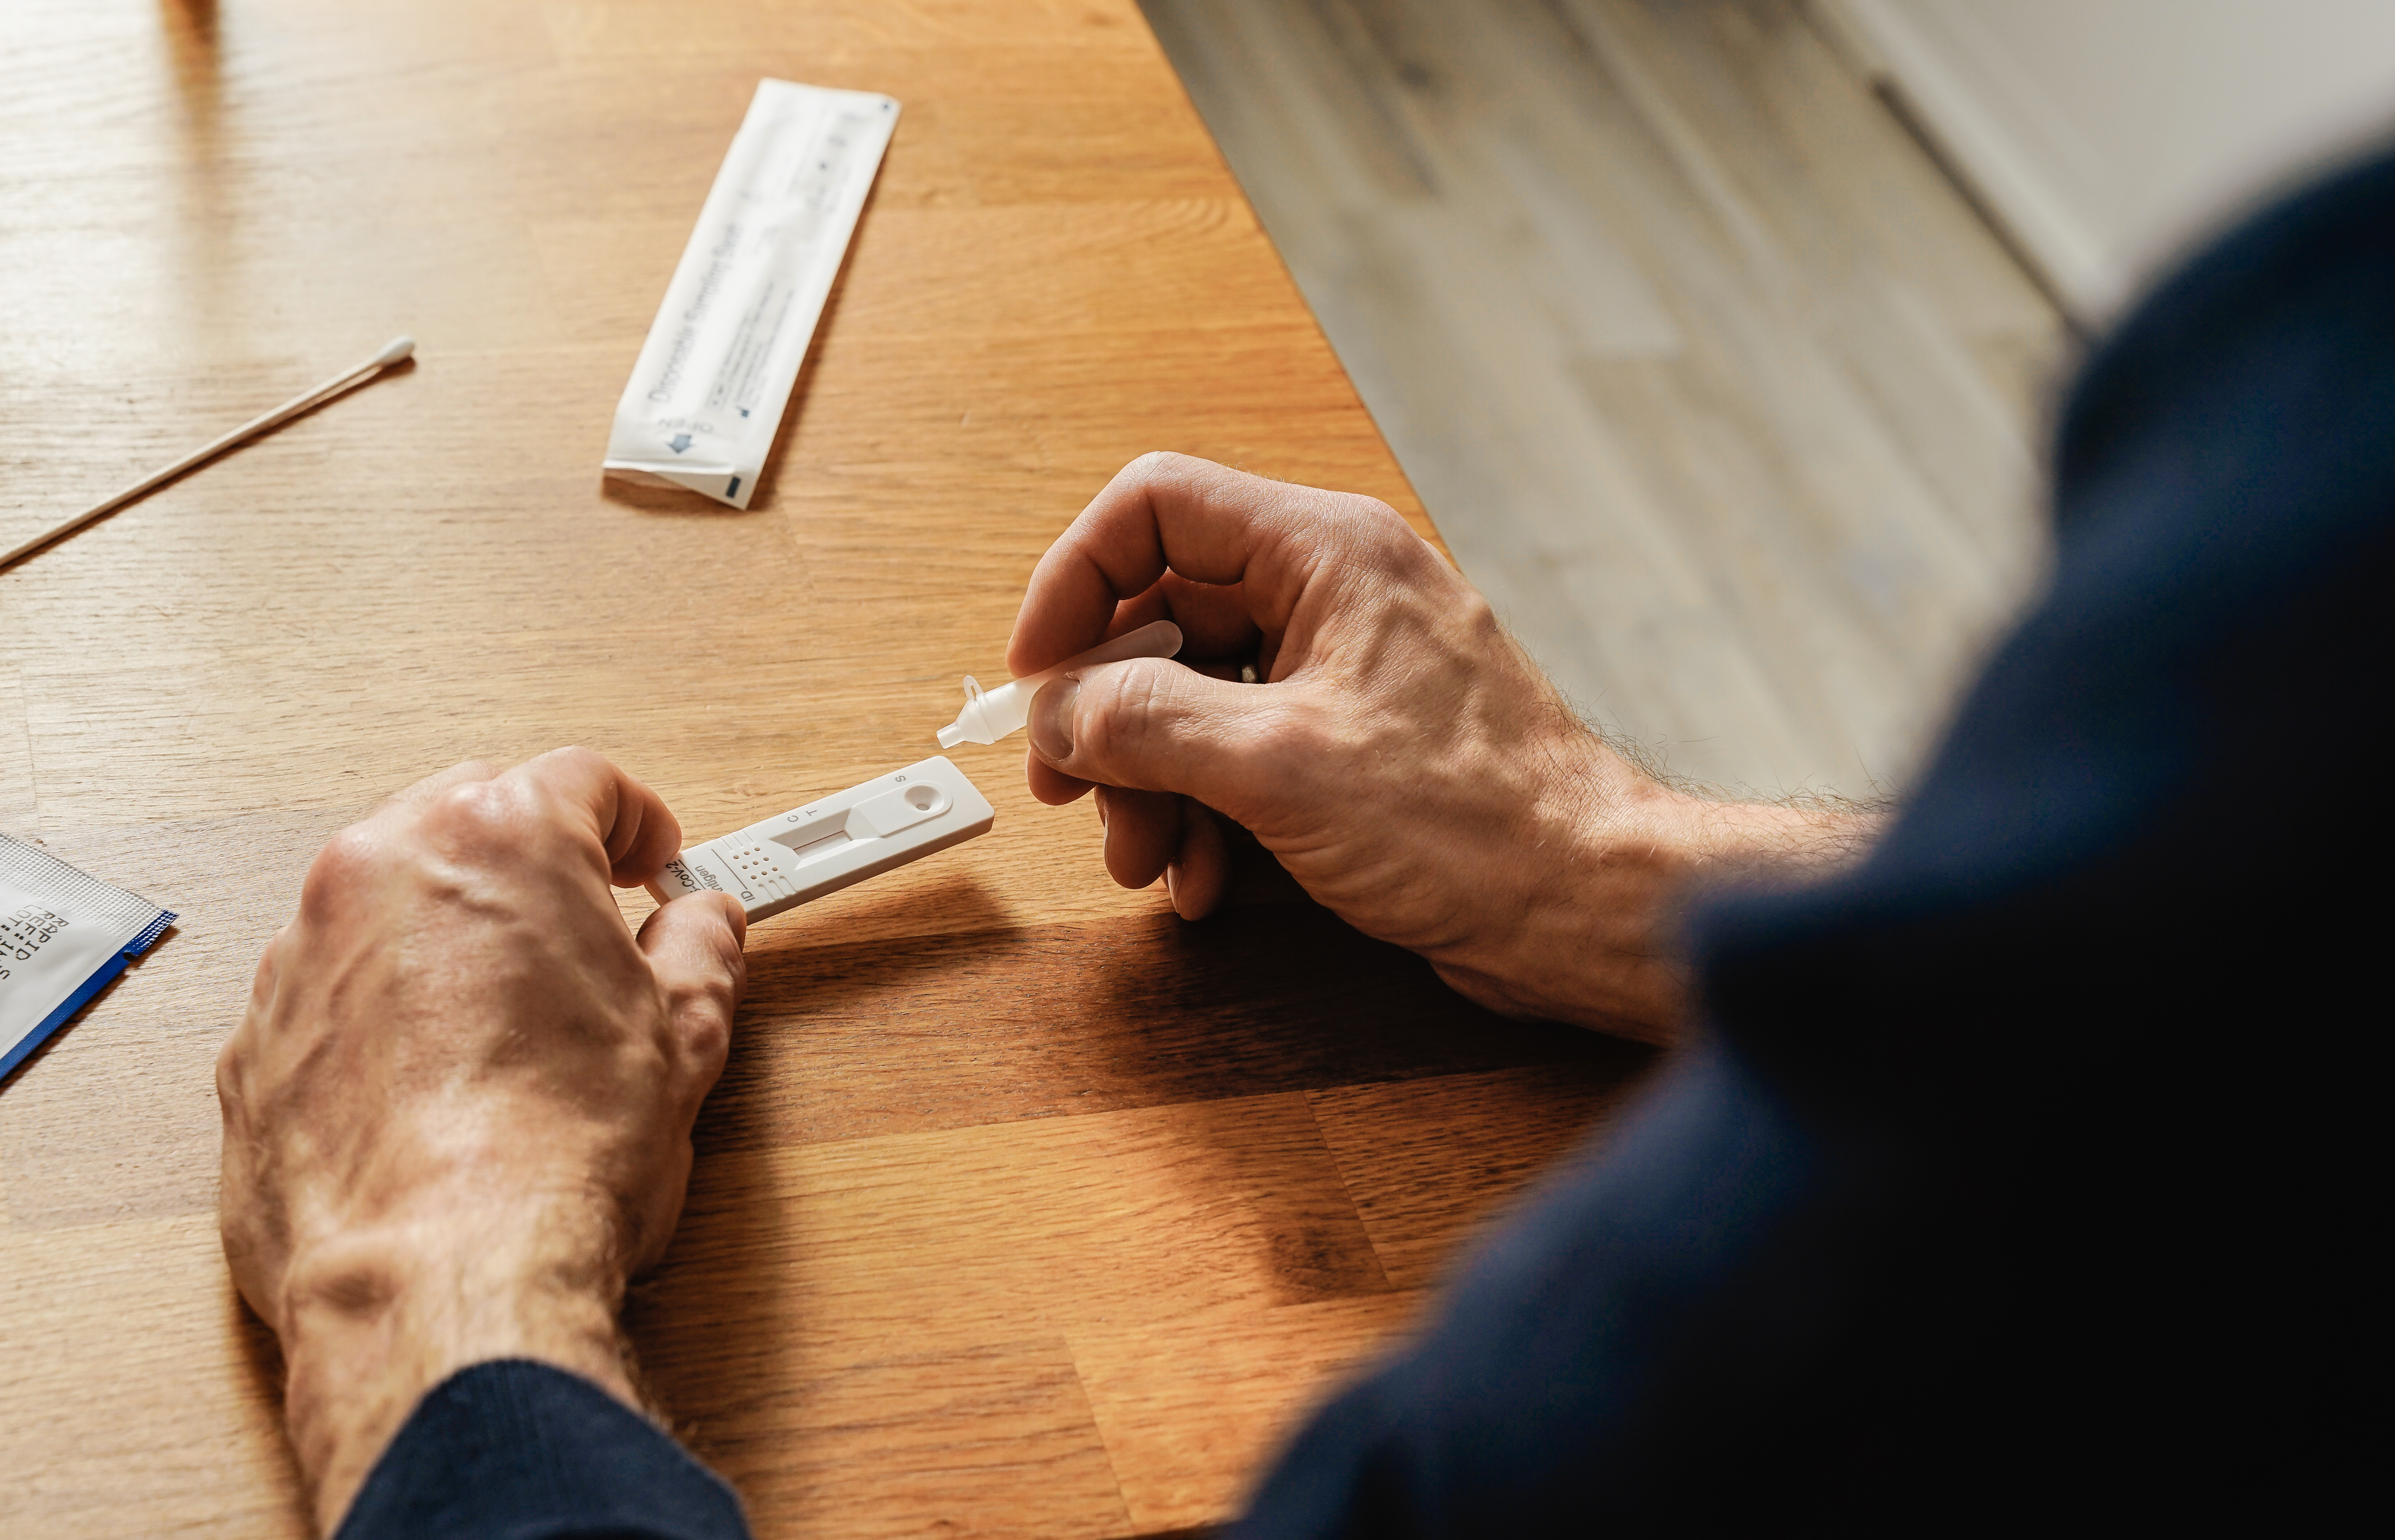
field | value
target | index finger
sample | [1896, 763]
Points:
[1208, 523]
[639, 831]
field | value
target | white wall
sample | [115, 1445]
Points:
[2106, 133]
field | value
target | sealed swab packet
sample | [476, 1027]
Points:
[64, 936]
[707, 390]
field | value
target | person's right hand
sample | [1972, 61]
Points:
[1400, 755]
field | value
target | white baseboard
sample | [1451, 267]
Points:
[1904, 47]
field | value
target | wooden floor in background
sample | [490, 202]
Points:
[1711, 381]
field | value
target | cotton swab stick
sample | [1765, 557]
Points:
[398, 350]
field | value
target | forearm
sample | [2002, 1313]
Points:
[374, 1320]
[1599, 939]
[1772, 843]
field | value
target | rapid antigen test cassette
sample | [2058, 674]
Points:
[707, 390]
[825, 846]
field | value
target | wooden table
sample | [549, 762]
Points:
[1023, 1208]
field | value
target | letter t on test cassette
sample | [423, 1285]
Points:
[827, 845]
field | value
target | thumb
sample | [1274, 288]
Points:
[1152, 725]
[694, 945]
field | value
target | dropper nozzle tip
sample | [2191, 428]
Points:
[950, 737]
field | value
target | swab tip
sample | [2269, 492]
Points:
[393, 351]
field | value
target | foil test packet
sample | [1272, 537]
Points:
[64, 936]
[707, 392]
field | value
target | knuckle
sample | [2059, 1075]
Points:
[1477, 619]
[355, 849]
[710, 1041]
[1287, 741]
[704, 1018]
[701, 1012]
[576, 757]
[268, 975]
[473, 817]
[1157, 464]
[229, 1068]
[350, 859]
[1370, 528]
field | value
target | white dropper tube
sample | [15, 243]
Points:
[990, 714]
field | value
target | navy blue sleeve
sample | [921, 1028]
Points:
[2025, 1170]
[516, 1450]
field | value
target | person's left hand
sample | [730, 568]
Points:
[457, 1114]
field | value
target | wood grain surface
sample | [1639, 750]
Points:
[1717, 388]
[1023, 1210]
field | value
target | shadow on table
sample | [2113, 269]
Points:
[1234, 1030]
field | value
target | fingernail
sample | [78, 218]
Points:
[1051, 719]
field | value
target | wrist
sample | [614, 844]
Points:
[1597, 936]
[372, 1321]
[1663, 850]
[1605, 932]
[1726, 842]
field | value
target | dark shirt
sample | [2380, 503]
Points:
[2014, 1173]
